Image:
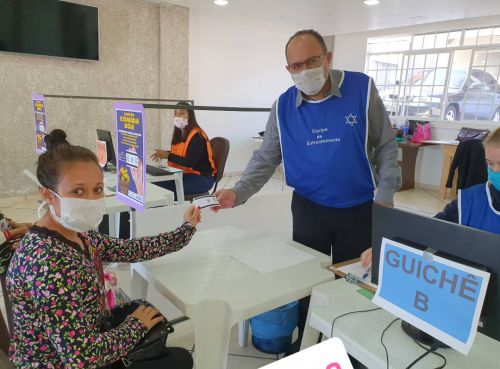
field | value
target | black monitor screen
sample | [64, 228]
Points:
[459, 243]
[49, 27]
[105, 136]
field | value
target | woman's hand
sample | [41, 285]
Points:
[18, 232]
[193, 215]
[148, 315]
[159, 154]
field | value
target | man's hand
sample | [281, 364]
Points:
[366, 257]
[226, 198]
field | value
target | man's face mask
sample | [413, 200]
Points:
[310, 81]
[79, 215]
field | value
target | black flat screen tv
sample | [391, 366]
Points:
[49, 27]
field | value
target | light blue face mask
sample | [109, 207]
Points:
[494, 178]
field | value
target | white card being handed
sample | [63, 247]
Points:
[206, 201]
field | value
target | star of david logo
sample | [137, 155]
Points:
[350, 119]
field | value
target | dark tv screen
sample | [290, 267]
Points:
[49, 27]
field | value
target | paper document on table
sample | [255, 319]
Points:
[355, 272]
[358, 270]
[269, 258]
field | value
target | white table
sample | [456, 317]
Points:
[176, 176]
[361, 333]
[155, 196]
[216, 291]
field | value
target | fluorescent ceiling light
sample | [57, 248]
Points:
[221, 2]
[371, 2]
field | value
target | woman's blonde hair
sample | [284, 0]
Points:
[493, 138]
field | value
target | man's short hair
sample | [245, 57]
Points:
[311, 32]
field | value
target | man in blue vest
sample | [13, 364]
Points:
[334, 137]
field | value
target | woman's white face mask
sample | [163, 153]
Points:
[180, 122]
[79, 215]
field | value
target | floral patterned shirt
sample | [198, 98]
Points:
[58, 296]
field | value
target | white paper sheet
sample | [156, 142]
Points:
[330, 354]
[269, 258]
[206, 201]
[359, 271]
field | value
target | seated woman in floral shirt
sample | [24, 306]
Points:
[55, 278]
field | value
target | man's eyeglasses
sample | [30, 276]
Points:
[312, 62]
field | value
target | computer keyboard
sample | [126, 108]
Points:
[109, 190]
[155, 171]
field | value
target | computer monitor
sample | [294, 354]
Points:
[105, 136]
[452, 241]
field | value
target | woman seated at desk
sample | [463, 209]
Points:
[477, 206]
[56, 279]
[191, 152]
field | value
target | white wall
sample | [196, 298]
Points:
[350, 54]
[235, 61]
[146, 59]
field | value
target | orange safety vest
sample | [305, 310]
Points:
[180, 149]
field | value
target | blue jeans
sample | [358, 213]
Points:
[192, 183]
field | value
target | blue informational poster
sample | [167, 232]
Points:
[40, 123]
[131, 154]
[439, 296]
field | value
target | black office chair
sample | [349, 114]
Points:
[220, 149]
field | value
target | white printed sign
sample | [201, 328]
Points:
[439, 296]
[330, 354]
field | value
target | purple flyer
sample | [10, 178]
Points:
[40, 123]
[131, 154]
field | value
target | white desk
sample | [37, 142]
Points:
[155, 196]
[217, 291]
[361, 333]
[176, 176]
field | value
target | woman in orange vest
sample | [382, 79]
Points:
[191, 152]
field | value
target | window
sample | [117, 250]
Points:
[445, 75]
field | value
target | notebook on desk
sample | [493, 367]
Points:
[155, 171]
[109, 191]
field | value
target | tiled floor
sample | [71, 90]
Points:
[420, 200]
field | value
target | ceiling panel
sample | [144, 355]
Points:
[347, 16]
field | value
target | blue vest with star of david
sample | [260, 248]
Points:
[324, 144]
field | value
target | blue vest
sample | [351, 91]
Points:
[475, 209]
[324, 144]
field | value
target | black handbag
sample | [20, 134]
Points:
[472, 134]
[152, 346]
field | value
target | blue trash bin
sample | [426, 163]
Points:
[272, 331]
